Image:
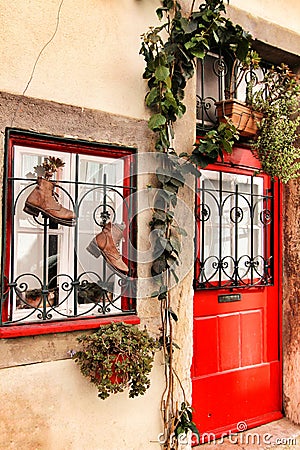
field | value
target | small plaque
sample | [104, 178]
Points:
[229, 298]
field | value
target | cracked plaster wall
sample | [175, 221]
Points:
[92, 60]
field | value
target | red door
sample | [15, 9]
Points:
[236, 370]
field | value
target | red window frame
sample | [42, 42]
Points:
[52, 143]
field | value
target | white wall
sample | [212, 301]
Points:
[283, 13]
[59, 410]
[93, 60]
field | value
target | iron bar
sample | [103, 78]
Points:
[220, 228]
[236, 235]
[45, 269]
[251, 231]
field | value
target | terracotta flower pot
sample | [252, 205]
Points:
[115, 378]
[244, 118]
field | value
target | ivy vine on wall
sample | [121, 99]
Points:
[170, 51]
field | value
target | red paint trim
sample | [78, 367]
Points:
[242, 156]
[12, 331]
[68, 145]
[280, 282]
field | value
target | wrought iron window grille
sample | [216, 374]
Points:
[224, 218]
[77, 293]
[213, 75]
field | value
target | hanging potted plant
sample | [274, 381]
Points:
[276, 146]
[116, 357]
[241, 114]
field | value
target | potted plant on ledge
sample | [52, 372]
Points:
[241, 114]
[116, 357]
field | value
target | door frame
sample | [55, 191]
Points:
[243, 159]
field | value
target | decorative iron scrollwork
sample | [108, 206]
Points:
[78, 293]
[230, 220]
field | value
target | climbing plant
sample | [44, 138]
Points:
[170, 51]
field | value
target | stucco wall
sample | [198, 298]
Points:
[283, 41]
[101, 67]
[285, 14]
[92, 59]
[60, 410]
[291, 301]
[48, 404]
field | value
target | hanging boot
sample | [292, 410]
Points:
[43, 200]
[106, 244]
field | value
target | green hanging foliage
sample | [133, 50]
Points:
[275, 146]
[170, 51]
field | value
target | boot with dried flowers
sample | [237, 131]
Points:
[43, 198]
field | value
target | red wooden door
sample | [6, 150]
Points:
[236, 371]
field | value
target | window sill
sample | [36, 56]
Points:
[13, 331]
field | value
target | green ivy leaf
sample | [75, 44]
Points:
[175, 244]
[181, 231]
[162, 296]
[175, 275]
[190, 44]
[216, 37]
[158, 266]
[171, 260]
[189, 26]
[227, 147]
[198, 53]
[170, 99]
[152, 97]
[168, 82]
[160, 11]
[156, 121]
[242, 48]
[154, 294]
[162, 73]
[173, 198]
[172, 314]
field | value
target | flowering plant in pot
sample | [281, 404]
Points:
[116, 357]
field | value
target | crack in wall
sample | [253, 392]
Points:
[38, 58]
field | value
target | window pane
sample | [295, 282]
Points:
[232, 235]
[50, 273]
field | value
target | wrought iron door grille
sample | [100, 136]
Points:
[84, 289]
[234, 228]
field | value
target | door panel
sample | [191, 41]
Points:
[236, 369]
[228, 398]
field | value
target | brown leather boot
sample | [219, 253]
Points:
[42, 200]
[106, 243]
